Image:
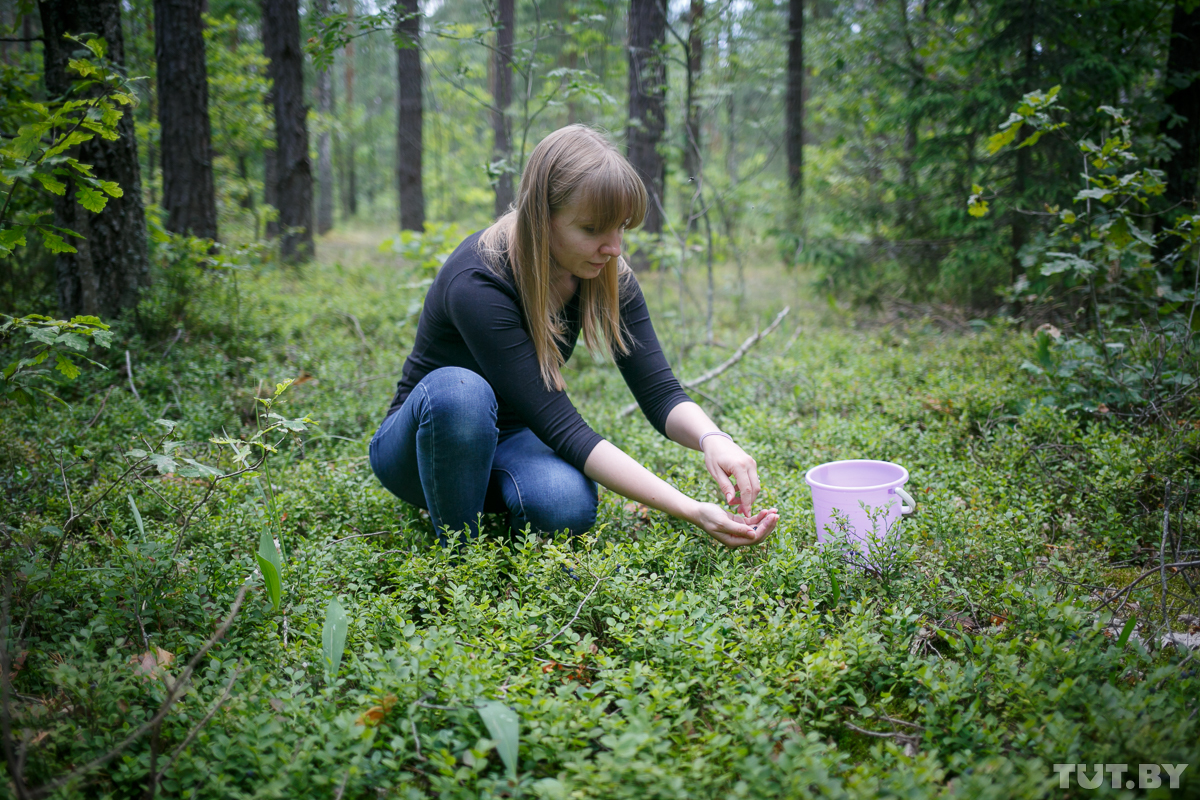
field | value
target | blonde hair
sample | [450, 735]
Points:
[572, 164]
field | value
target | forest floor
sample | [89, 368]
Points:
[641, 660]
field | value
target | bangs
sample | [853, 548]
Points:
[612, 195]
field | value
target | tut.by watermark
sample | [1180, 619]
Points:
[1091, 776]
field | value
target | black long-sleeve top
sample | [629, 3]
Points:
[473, 319]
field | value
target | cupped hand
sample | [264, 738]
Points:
[735, 530]
[724, 460]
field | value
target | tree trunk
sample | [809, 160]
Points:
[502, 97]
[293, 180]
[349, 182]
[1019, 223]
[647, 113]
[795, 102]
[1183, 98]
[324, 93]
[271, 190]
[104, 276]
[731, 162]
[409, 118]
[188, 195]
[695, 64]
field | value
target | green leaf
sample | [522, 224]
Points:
[112, 189]
[1123, 639]
[66, 366]
[997, 142]
[73, 340]
[198, 470]
[102, 338]
[137, 516]
[91, 199]
[55, 243]
[50, 183]
[164, 463]
[333, 638]
[505, 729]
[271, 568]
[835, 588]
[11, 239]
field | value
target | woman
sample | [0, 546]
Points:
[481, 421]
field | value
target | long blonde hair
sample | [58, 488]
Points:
[572, 164]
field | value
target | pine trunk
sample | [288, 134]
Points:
[104, 277]
[795, 101]
[324, 92]
[188, 195]
[409, 120]
[293, 179]
[1183, 97]
[647, 112]
[349, 178]
[695, 65]
[502, 97]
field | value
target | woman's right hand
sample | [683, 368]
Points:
[734, 530]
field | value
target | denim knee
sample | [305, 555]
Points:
[566, 500]
[460, 404]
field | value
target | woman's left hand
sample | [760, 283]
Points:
[724, 460]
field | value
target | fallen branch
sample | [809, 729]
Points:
[907, 739]
[577, 612]
[237, 672]
[737, 356]
[99, 411]
[129, 372]
[1127, 591]
[173, 694]
[359, 535]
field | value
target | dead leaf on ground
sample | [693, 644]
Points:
[151, 663]
[375, 714]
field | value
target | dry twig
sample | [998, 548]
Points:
[746, 346]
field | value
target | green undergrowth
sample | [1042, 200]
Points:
[642, 660]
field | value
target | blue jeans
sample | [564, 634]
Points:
[442, 451]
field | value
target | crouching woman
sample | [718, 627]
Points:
[481, 421]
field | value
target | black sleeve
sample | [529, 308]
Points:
[489, 322]
[645, 368]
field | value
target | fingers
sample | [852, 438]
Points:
[738, 532]
[723, 483]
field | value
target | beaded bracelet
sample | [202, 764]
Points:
[712, 433]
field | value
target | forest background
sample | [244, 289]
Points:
[972, 226]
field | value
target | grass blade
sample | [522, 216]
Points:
[137, 517]
[333, 638]
[1123, 639]
[835, 589]
[505, 729]
[271, 568]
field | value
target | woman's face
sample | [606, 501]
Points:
[577, 246]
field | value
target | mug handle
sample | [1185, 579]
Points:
[905, 510]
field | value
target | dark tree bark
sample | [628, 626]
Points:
[409, 118]
[271, 189]
[293, 180]
[324, 93]
[1019, 222]
[695, 65]
[188, 195]
[795, 100]
[103, 278]
[647, 112]
[349, 177]
[502, 97]
[1183, 98]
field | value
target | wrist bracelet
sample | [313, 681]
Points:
[703, 436]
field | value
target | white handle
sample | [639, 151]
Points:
[906, 497]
